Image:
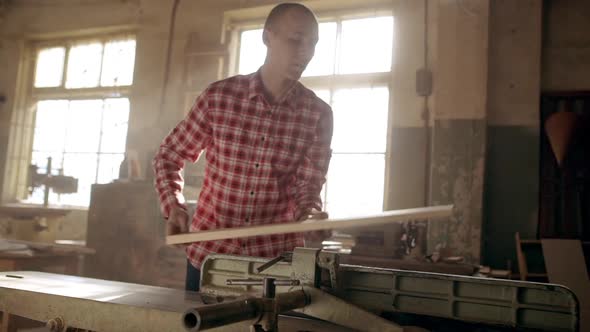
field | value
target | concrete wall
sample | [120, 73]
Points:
[512, 163]
[438, 143]
[458, 129]
[534, 46]
[566, 45]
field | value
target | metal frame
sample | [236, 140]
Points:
[515, 304]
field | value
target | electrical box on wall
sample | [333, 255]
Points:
[423, 82]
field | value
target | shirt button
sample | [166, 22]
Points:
[257, 165]
[251, 193]
[263, 138]
[244, 245]
[247, 219]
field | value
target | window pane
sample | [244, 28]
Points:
[49, 68]
[323, 95]
[108, 167]
[114, 125]
[323, 60]
[84, 66]
[50, 125]
[366, 45]
[83, 126]
[360, 120]
[83, 167]
[38, 194]
[355, 195]
[252, 51]
[118, 63]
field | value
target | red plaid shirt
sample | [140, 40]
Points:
[265, 163]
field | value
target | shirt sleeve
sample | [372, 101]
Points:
[184, 143]
[311, 174]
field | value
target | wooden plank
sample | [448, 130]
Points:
[30, 211]
[387, 217]
[522, 267]
[565, 264]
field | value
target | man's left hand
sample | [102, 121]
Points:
[312, 214]
[315, 237]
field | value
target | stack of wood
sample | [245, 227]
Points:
[26, 248]
[487, 272]
[446, 256]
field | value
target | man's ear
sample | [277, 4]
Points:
[265, 36]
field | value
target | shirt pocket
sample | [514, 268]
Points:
[287, 154]
[234, 144]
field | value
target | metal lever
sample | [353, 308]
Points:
[262, 311]
[269, 284]
[286, 256]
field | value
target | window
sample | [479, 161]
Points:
[80, 89]
[351, 72]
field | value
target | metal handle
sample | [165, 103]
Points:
[286, 256]
[56, 324]
[216, 315]
[260, 282]
[268, 284]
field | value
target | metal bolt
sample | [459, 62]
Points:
[55, 325]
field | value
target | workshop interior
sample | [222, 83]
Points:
[457, 195]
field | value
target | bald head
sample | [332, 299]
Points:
[290, 35]
[277, 14]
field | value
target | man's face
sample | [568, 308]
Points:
[291, 43]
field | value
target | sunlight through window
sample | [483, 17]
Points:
[366, 45]
[49, 68]
[85, 138]
[84, 66]
[323, 60]
[252, 51]
[118, 63]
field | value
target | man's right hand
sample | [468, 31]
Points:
[177, 221]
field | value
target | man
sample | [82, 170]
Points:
[267, 140]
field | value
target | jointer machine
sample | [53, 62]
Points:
[304, 290]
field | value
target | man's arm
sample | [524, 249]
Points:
[185, 142]
[311, 174]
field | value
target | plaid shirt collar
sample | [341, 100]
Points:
[256, 88]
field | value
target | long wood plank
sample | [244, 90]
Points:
[387, 217]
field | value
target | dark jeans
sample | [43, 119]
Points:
[193, 277]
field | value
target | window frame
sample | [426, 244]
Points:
[61, 92]
[20, 149]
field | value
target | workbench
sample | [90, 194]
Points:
[100, 305]
[304, 290]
